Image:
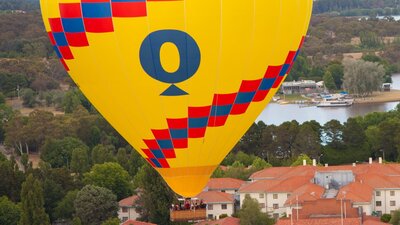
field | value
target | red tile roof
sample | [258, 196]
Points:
[129, 201]
[134, 222]
[308, 192]
[290, 184]
[224, 221]
[356, 192]
[215, 197]
[371, 220]
[270, 173]
[320, 221]
[259, 186]
[224, 184]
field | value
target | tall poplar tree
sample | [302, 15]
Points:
[32, 203]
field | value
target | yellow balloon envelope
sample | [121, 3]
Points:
[181, 80]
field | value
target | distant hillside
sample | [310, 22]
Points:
[26, 5]
[381, 7]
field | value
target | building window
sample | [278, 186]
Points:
[261, 196]
[275, 196]
[124, 219]
[210, 207]
[124, 209]
[379, 213]
[276, 216]
[210, 216]
[378, 193]
[262, 205]
[392, 203]
[223, 191]
[378, 203]
[276, 206]
[392, 193]
[223, 206]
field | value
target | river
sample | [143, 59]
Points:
[277, 114]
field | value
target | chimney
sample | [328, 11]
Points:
[314, 162]
[326, 164]
[354, 164]
[370, 160]
[304, 162]
[380, 160]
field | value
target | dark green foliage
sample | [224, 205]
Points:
[79, 161]
[59, 152]
[94, 205]
[32, 203]
[322, 6]
[111, 176]
[329, 82]
[250, 213]
[9, 212]
[386, 218]
[65, 208]
[370, 40]
[53, 193]
[11, 180]
[156, 196]
[395, 220]
[28, 97]
[101, 154]
[2, 98]
[112, 221]
[337, 71]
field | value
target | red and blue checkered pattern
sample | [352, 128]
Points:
[179, 130]
[93, 16]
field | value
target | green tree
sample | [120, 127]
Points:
[308, 141]
[32, 203]
[259, 164]
[53, 193]
[76, 221]
[250, 213]
[123, 158]
[71, 101]
[370, 39]
[337, 71]
[94, 205]
[218, 173]
[112, 176]
[9, 212]
[29, 97]
[112, 221]
[59, 152]
[65, 208]
[353, 133]
[362, 78]
[386, 218]
[244, 158]
[79, 161]
[11, 180]
[238, 171]
[300, 158]
[2, 98]
[156, 197]
[395, 220]
[333, 134]
[329, 82]
[100, 155]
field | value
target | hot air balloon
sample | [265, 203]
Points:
[180, 80]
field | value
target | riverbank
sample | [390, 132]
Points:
[380, 97]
